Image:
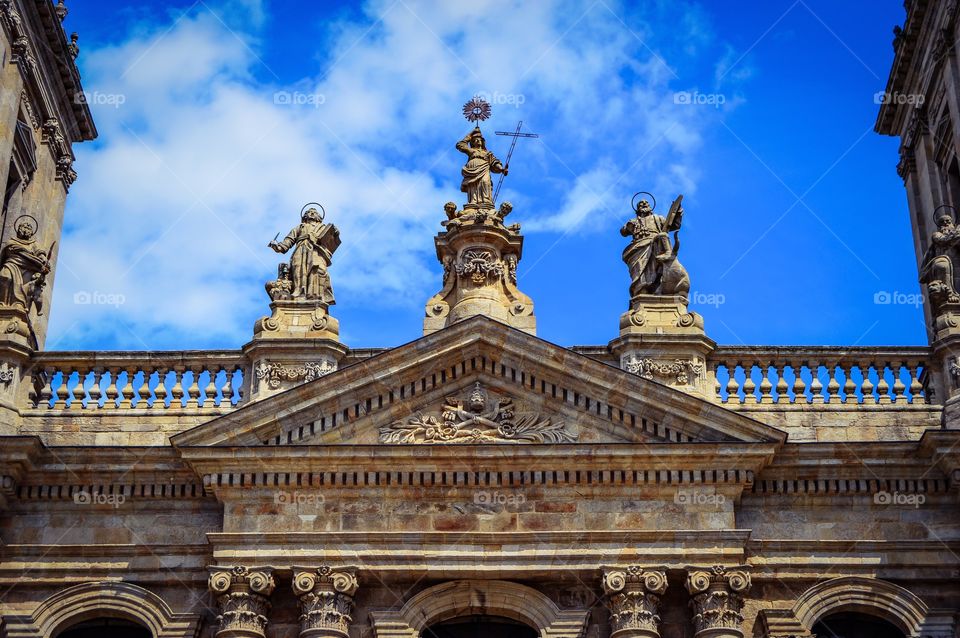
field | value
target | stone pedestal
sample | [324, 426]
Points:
[662, 341]
[16, 346]
[716, 600]
[297, 343]
[943, 373]
[326, 600]
[479, 256]
[633, 597]
[243, 598]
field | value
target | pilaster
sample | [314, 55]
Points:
[717, 601]
[243, 598]
[326, 600]
[633, 597]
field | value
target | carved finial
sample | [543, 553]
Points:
[61, 10]
[74, 48]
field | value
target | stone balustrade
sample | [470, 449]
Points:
[830, 376]
[189, 381]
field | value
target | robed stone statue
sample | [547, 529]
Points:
[313, 244]
[937, 271]
[24, 266]
[651, 257]
[477, 183]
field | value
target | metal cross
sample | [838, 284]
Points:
[516, 134]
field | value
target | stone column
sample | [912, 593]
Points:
[717, 601]
[633, 597]
[243, 596]
[326, 600]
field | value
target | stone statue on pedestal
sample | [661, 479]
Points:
[660, 338]
[299, 342]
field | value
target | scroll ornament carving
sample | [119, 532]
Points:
[275, 373]
[478, 419]
[479, 264]
[634, 600]
[716, 597]
[679, 369]
[243, 599]
[326, 600]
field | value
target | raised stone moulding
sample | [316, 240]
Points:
[633, 597]
[326, 600]
[275, 372]
[717, 601]
[682, 370]
[243, 600]
[478, 419]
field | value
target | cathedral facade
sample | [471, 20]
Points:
[477, 481]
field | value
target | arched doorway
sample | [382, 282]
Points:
[105, 628]
[479, 627]
[855, 625]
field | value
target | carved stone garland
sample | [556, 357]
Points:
[243, 598]
[478, 419]
[326, 600]
[680, 369]
[275, 373]
[633, 597]
[717, 600]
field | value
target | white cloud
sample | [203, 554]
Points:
[200, 167]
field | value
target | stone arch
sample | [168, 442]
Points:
[870, 596]
[91, 600]
[479, 598]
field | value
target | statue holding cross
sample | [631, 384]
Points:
[482, 163]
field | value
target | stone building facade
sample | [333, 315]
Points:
[478, 480]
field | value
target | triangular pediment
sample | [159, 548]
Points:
[478, 382]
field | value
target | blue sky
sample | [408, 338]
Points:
[795, 216]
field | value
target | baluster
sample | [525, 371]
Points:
[781, 371]
[716, 383]
[46, 389]
[799, 385]
[849, 386]
[833, 385]
[176, 393]
[245, 374]
[916, 388]
[749, 386]
[733, 388]
[766, 387]
[866, 388]
[143, 392]
[126, 394]
[95, 393]
[193, 392]
[226, 392]
[883, 388]
[112, 393]
[62, 392]
[210, 391]
[816, 386]
[79, 392]
[899, 388]
[160, 390]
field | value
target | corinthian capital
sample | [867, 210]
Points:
[633, 597]
[326, 600]
[243, 599]
[717, 600]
